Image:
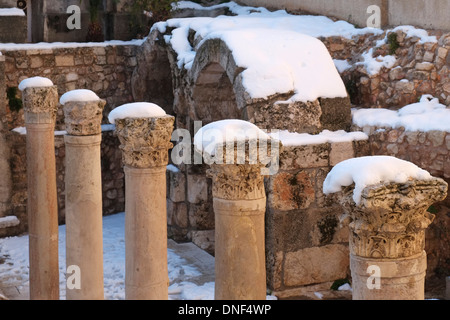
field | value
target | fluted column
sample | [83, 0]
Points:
[144, 144]
[40, 106]
[387, 238]
[84, 232]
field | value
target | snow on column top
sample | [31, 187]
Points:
[220, 132]
[35, 82]
[11, 12]
[371, 170]
[136, 110]
[83, 95]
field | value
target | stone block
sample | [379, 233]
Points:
[64, 61]
[176, 186]
[316, 265]
[424, 66]
[308, 156]
[290, 191]
[201, 217]
[204, 240]
[341, 151]
[197, 190]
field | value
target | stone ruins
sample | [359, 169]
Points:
[296, 240]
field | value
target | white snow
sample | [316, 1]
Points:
[342, 65]
[182, 274]
[35, 82]
[293, 139]
[345, 287]
[426, 115]
[371, 170]
[278, 50]
[60, 45]
[136, 110]
[78, 95]
[412, 31]
[11, 12]
[9, 221]
[23, 131]
[373, 65]
[172, 168]
[225, 131]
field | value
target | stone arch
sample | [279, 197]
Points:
[216, 93]
[152, 78]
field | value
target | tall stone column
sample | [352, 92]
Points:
[144, 144]
[239, 201]
[40, 105]
[239, 206]
[84, 232]
[387, 238]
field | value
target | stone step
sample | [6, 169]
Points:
[9, 221]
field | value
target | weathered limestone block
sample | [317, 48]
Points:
[312, 265]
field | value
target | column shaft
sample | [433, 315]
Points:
[84, 235]
[146, 234]
[42, 210]
[240, 256]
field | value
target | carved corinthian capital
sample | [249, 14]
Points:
[84, 118]
[391, 219]
[237, 181]
[145, 141]
[40, 104]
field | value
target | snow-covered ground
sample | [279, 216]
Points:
[187, 281]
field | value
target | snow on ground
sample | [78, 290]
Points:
[279, 51]
[426, 115]
[293, 139]
[14, 270]
[372, 170]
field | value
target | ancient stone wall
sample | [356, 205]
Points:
[105, 70]
[420, 68]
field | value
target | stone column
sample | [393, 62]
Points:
[84, 232]
[40, 105]
[144, 144]
[239, 200]
[387, 238]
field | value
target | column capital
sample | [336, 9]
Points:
[237, 181]
[40, 104]
[391, 219]
[83, 118]
[145, 141]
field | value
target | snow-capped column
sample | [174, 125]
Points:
[144, 131]
[40, 99]
[239, 200]
[84, 232]
[388, 217]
